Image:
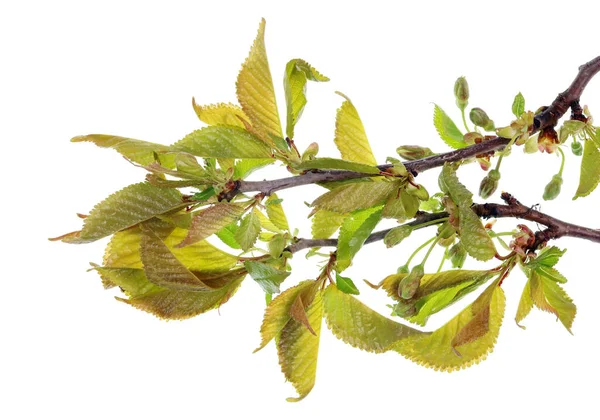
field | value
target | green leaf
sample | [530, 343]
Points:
[354, 231]
[358, 325]
[325, 223]
[465, 340]
[518, 106]
[547, 257]
[525, 304]
[276, 213]
[337, 164]
[277, 313]
[397, 235]
[266, 223]
[220, 114]
[346, 285]
[245, 167]
[356, 196]
[474, 237]
[227, 235]
[255, 92]
[267, 276]
[248, 231]
[297, 73]
[125, 208]
[550, 273]
[447, 129]
[277, 244]
[137, 151]
[401, 206]
[223, 141]
[590, 170]
[298, 350]
[210, 220]
[449, 183]
[548, 296]
[350, 137]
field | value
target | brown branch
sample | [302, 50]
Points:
[547, 118]
[555, 228]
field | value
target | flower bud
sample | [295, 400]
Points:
[418, 191]
[457, 255]
[479, 117]
[461, 93]
[403, 269]
[410, 284]
[473, 137]
[553, 188]
[577, 148]
[446, 230]
[414, 152]
[404, 309]
[310, 152]
[484, 162]
[447, 241]
[489, 183]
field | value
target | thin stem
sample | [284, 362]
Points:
[416, 251]
[462, 111]
[562, 162]
[437, 239]
[444, 258]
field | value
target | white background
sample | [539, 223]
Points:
[68, 350]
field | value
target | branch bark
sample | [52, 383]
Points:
[548, 117]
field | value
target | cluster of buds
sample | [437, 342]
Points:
[523, 240]
[518, 129]
[410, 284]
[473, 137]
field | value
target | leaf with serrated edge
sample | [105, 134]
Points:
[255, 92]
[138, 151]
[277, 314]
[525, 304]
[248, 231]
[350, 137]
[447, 129]
[590, 170]
[474, 237]
[125, 208]
[297, 73]
[358, 325]
[346, 285]
[276, 213]
[245, 167]
[337, 164]
[450, 184]
[211, 220]
[548, 296]
[223, 141]
[356, 196]
[220, 114]
[268, 277]
[298, 350]
[547, 257]
[436, 351]
[266, 223]
[518, 106]
[325, 223]
[354, 231]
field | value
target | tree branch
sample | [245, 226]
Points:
[548, 117]
[555, 228]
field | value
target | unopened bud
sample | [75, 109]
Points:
[446, 230]
[404, 309]
[310, 152]
[403, 269]
[479, 117]
[410, 284]
[418, 191]
[461, 92]
[553, 188]
[489, 183]
[457, 255]
[473, 137]
[484, 162]
[414, 152]
[577, 148]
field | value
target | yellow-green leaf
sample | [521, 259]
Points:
[268, 277]
[525, 304]
[255, 90]
[325, 223]
[297, 73]
[354, 231]
[125, 208]
[211, 220]
[358, 325]
[138, 151]
[437, 351]
[356, 196]
[245, 167]
[248, 231]
[474, 237]
[548, 296]
[350, 137]
[220, 114]
[276, 213]
[446, 128]
[450, 184]
[401, 206]
[590, 170]
[337, 164]
[298, 349]
[223, 141]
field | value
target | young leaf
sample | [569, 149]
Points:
[356, 196]
[298, 349]
[518, 106]
[255, 92]
[277, 313]
[137, 151]
[354, 231]
[244, 167]
[276, 213]
[548, 296]
[227, 235]
[465, 340]
[125, 208]
[401, 206]
[223, 141]
[325, 223]
[297, 73]
[350, 137]
[397, 235]
[211, 220]
[266, 223]
[447, 129]
[525, 304]
[248, 231]
[547, 257]
[358, 325]
[346, 285]
[474, 237]
[220, 114]
[337, 164]
[450, 184]
[590, 170]
[268, 277]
